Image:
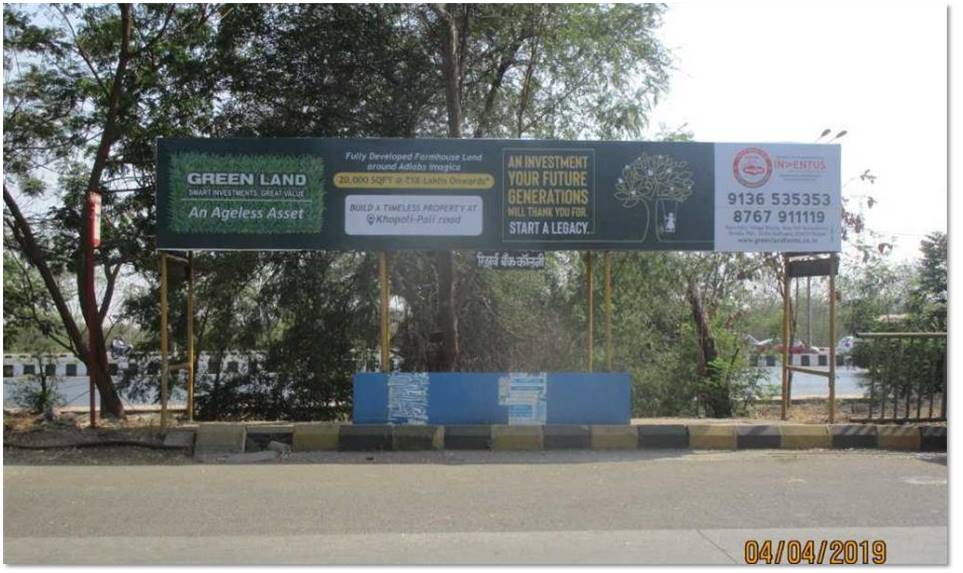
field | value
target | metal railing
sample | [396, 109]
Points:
[907, 375]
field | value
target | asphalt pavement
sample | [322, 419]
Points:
[586, 507]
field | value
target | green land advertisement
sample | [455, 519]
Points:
[246, 194]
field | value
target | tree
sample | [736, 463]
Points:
[322, 70]
[930, 294]
[874, 286]
[710, 281]
[537, 70]
[87, 91]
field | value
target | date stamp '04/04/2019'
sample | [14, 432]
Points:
[814, 552]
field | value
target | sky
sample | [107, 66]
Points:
[783, 72]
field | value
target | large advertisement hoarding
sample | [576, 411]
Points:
[504, 195]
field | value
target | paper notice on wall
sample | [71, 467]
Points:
[408, 398]
[525, 395]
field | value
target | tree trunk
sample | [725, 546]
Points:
[716, 397]
[707, 344]
[450, 66]
[96, 356]
[110, 403]
[447, 357]
[23, 234]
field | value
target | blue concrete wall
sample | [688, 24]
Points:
[472, 398]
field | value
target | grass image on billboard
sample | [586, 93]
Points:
[247, 194]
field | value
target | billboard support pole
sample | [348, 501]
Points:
[93, 241]
[190, 336]
[785, 337]
[832, 339]
[608, 310]
[165, 367]
[591, 308]
[812, 265]
[385, 337]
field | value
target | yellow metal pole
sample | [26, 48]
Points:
[608, 310]
[190, 336]
[163, 340]
[785, 337]
[591, 309]
[832, 339]
[385, 319]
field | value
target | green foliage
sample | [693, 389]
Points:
[929, 297]
[309, 318]
[72, 125]
[872, 287]
[38, 393]
[30, 321]
[904, 367]
[736, 385]
[325, 70]
[900, 368]
[563, 71]
[651, 332]
[535, 317]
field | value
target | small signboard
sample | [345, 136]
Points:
[813, 267]
[510, 260]
[783, 198]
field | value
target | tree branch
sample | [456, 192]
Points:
[450, 68]
[41, 322]
[160, 33]
[504, 65]
[25, 238]
[82, 51]
[526, 90]
[109, 291]
[90, 311]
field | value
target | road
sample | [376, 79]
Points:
[475, 508]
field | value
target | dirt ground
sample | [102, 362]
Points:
[810, 412]
[71, 428]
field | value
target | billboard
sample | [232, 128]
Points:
[498, 195]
